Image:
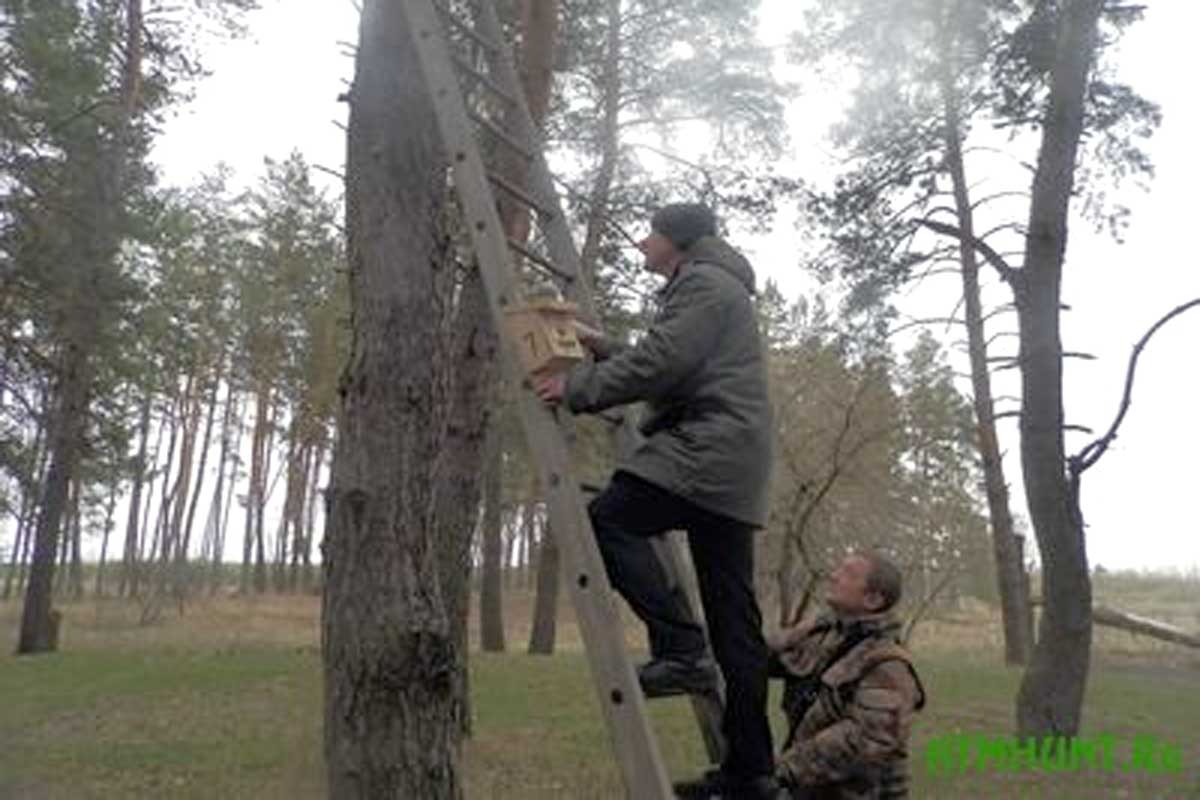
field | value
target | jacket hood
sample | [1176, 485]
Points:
[715, 250]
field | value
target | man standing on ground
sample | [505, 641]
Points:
[850, 690]
[703, 467]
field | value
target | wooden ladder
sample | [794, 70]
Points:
[478, 101]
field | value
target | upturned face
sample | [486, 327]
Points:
[847, 593]
[662, 257]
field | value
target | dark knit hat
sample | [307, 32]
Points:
[684, 223]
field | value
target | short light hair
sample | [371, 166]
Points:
[883, 578]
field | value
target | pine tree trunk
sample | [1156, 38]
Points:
[129, 565]
[297, 483]
[76, 528]
[1050, 699]
[182, 578]
[313, 491]
[110, 510]
[96, 253]
[38, 631]
[225, 501]
[260, 507]
[512, 534]
[19, 557]
[1014, 604]
[252, 545]
[491, 602]
[390, 649]
[543, 632]
[528, 551]
[64, 552]
[14, 558]
[597, 211]
[161, 546]
[26, 552]
[148, 541]
[175, 548]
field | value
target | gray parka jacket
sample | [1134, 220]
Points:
[700, 369]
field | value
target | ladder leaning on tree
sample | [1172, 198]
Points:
[479, 101]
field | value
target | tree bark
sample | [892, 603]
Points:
[389, 646]
[544, 630]
[1014, 603]
[1050, 699]
[472, 365]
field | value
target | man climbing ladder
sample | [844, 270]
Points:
[703, 468]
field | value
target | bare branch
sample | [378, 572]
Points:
[340, 176]
[947, 321]
[925, 603]
[1003, 309]
[1091, 454]
[997, 196]
[999, 335]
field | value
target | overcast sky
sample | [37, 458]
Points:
[276, 91]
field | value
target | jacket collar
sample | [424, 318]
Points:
[882, 624]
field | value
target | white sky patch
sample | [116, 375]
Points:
[682, 51]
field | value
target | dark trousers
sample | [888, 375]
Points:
[624, 516]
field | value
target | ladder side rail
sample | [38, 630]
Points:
[621, 698]
[540, 183]
[708, 709]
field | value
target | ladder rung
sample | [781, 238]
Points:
[503, 136]
[535, 258]
[483, 80]
[453, 19]
[520, 194]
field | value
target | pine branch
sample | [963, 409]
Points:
[1007, 272]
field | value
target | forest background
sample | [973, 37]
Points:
[218, 336]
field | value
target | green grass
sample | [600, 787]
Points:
[226, 703]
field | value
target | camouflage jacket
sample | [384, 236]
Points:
[848, 725]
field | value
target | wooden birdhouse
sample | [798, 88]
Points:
[544, 330]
